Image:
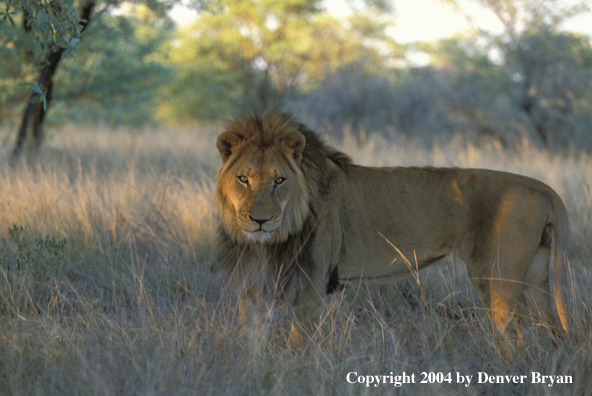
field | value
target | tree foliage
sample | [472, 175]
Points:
[16, 65]
[534, 80]
[256, 52]
[117, 72]
[55, 29]
[541, 75]
[53, 21]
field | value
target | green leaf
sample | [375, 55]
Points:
[35, 99]
[36, 88]
[44, 103]
[22, 83]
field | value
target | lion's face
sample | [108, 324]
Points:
[259, 187]
[261, 191]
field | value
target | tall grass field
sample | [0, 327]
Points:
[108, 284]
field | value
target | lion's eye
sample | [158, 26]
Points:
[279, 180]
[243, 179]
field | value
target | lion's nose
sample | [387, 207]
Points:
[260, 221]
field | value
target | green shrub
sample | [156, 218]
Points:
[29, 273]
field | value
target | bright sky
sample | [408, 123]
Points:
[424, 20]
[431, 20]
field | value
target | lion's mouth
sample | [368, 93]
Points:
[259, 235]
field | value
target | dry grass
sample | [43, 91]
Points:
[135, 305]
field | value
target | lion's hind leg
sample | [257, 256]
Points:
[514, 287]
[499, 284]
[538, 296]
[537, 293]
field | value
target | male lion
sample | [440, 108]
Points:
[298, 217]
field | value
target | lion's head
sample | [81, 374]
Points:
[267, 179]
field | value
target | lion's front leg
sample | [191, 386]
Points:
[255, 314]
[307, 311]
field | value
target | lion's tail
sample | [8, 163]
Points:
[560, 225]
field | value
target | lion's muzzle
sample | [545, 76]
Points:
[260, 221]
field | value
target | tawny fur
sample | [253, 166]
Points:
[297, 215]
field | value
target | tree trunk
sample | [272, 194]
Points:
[39, 116]
[527, 105]
[45, 79]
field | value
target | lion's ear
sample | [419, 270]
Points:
[226, 141]
[296, 142]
